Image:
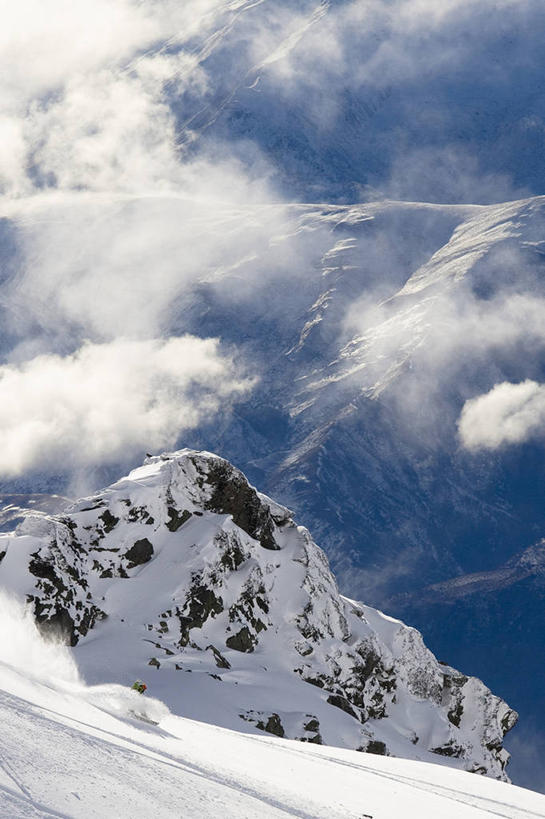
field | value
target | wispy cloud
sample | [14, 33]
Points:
[469, 318]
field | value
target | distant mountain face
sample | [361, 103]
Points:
[343, 97]
[494, 623]
[365, 366]
[184, 567]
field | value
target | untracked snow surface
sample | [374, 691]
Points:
[72, 750]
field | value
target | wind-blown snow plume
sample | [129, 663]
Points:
[27, 659]
[24, 649]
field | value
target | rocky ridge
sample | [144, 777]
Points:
[188, 567]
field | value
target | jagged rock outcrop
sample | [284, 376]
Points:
[207, 575]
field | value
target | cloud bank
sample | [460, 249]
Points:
[110, 401]
[140, 139]
[110, 215]
[507, 414]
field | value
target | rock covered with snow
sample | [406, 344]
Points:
[183, 566]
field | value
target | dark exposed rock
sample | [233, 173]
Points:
[272, 726]
[59, 625]
[109, 520]
[272, 723]
[232, 495]
[200, 604]
[452, 685]
[312, 725]
[509, 721]
[314, 681]
[342, 703]
[376, 747]
[232, 557]
[56, 622]
[244, 608]
[221, 662]
[315, 740]
[241, 641]
[176, 518]
[42, 568]
[140, 553]
[455, 716]
[263, 605]
[137, 513]
[449, 749]
[372, 663]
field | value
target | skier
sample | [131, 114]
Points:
[139, 686]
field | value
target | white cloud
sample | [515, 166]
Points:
[89, 146]
[44, 41]
[449, 174]
[106, 133]
[508, 414]
[104, 266]
[108, 402]
[136, 209]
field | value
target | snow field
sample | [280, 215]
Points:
[71, 750]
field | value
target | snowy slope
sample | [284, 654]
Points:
[73, 750]
[184, 574]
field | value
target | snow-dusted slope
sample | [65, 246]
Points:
[183, 573]
[72, 750]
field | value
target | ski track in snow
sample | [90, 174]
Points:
[133, 752]
[38, 742]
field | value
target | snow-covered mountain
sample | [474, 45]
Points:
[183, 573]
